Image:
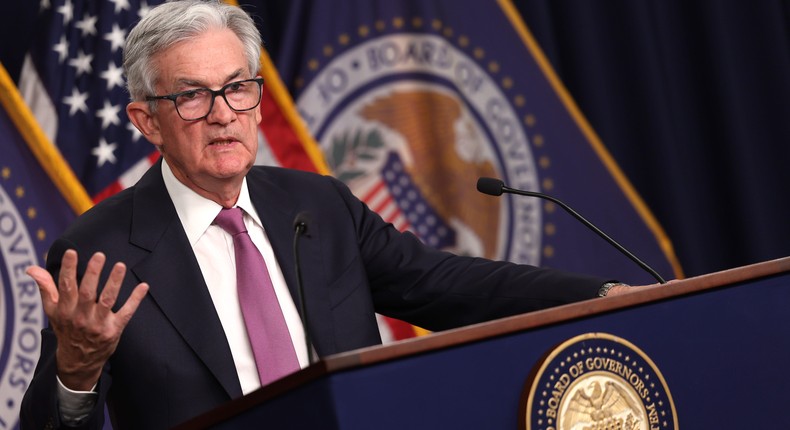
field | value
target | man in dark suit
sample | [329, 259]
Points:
[160, 337]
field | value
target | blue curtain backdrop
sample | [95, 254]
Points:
[692, 98]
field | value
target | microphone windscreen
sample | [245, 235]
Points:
[302, 219]
[490, 186]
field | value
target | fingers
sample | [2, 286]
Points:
[67, 282]
[46, 287]
[90, 281]
[130, 307]
[67, 298]
[110, 292]
[87, 329]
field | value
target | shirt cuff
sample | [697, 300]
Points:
[75, 406]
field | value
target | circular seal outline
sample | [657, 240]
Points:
[24, 320]
[535, 378]
[488, 103]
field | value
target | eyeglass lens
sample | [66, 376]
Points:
[240, 96]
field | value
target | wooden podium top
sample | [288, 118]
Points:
[478, 332]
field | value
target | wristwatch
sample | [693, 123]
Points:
[604, 290]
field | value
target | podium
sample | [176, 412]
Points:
[721, 343]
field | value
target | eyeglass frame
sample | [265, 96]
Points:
[214, 94]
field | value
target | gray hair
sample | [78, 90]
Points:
[177, 21]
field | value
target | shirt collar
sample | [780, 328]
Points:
[197, 212]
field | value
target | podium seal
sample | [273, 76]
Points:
[597, 381]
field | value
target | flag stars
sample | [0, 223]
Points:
[109, 115]
[67, 10]
[32, 213]
[104, 153]
[87, 25]
[116, 37]
[136, 135]
[62, 48]
[19, 192]
[76, 102]
[82, 63]
[5, 173]
[120, 5]
[113, 75]
[143, 10]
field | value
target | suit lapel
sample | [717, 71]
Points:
[277, 209]
[177, 284]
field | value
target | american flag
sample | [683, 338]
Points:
[399, 201]
[72, 79]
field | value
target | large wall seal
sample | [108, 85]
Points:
[22, 313]
[410, 121]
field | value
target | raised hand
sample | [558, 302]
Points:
[87, 329]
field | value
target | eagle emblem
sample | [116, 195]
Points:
[611, 407]
[597, 381]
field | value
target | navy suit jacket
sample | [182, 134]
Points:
[173, 361]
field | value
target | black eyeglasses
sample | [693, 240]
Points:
[196, 104]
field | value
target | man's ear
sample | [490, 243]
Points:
[141, 116]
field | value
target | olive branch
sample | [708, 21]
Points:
[351, 151]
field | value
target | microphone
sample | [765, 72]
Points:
[495, 187]
[301, 221]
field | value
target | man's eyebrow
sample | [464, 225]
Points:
[234, 75]
[189, 83]
[195, 83]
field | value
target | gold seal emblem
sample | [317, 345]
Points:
[597, 381]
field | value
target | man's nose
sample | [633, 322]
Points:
[221, 111]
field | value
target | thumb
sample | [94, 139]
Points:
[46, 287]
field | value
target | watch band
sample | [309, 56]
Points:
[604, 290]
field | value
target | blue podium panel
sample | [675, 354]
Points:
[722, 351]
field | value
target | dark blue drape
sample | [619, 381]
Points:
[692, 98]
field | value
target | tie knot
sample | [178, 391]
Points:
[231, 221]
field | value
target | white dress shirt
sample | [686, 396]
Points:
[213, 248]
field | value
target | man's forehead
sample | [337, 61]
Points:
[209, 59]
[193, 80]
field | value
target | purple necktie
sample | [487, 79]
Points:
[271, 343]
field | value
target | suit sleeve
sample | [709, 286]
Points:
[439, 290]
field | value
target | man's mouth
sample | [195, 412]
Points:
[222, 142]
